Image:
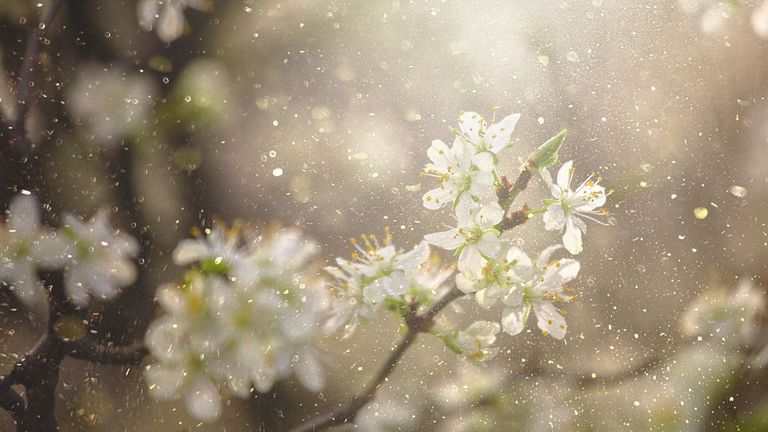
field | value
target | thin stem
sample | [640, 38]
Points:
[348, 411]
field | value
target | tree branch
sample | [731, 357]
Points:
[24, 93]
[418, 322]
[85, 349]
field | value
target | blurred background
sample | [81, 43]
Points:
[319, 114]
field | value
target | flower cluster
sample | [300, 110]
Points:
[96, 259]
[380, 275]
[489, 265]
[246, 315]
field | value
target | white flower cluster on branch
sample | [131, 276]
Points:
[490, 265]
[97, 261]
[246, 315]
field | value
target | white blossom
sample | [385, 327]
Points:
[476, 341]
[759, 20]
[100, 261]
[167, 16]
[570, 205]
[498, 276]
[475, 236]
[110, 103]
[457, 178]
[486, 141]
[542, 286]
[379, 273]
[26, 248]
[238, 332]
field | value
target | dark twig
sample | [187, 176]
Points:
[85, 349]
[26, 76]
[418, 322]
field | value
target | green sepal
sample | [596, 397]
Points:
[546, 155]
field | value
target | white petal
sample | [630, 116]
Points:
[164, 383]
[546, 254]
[564, 175]
[310, 372]
[202, 399]
[489, 215]
[498, 134]
[485, 161]
[564, 271]
[374, 293]
[440, 155]
[513, 319]
[489, 244]
[450, 239]
[470, 125]
[414, 258]
[147, 11]
[75, 282]
[465, 283]
[190, 250]
[554, 217]
[437, 197]
[171, 23]
[471, 261]
[549, 319]
[760, 20]
[572, 238]
[519, 257]
[52, 250]
[25, 215]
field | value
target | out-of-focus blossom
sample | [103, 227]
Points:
[470, 400]
[760, 20]
[26, 248]
[475, 235]
[728, 314]
[476, 341]
[100, 259]
[110, 103]
[570, 205]
[543, 286]
[237, 332]
[714, 17]
[166, 17]
[386, 416]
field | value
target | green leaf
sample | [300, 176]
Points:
[546, 155]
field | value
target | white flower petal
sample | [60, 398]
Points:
[202, 399]
[485, 161]
[449, 240]
[24, 215]
[470, 125]
[309, 371]
[550, 320]
[498, 134]
[564, 175]
[513, 319]
[554, 218]
[572, 238]
[164, 383]
[471, 261]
